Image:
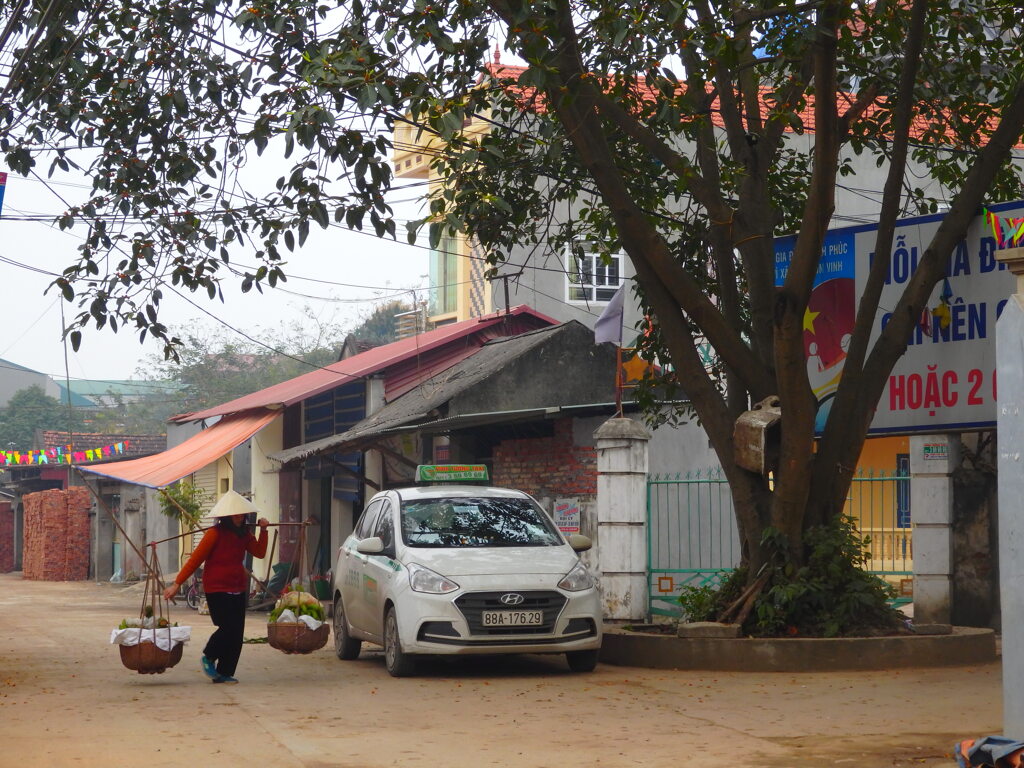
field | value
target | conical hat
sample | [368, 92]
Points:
[232, 503]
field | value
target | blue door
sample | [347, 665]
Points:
[903, 490]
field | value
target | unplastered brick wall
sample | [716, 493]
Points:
[6, 537]
[56, 535]
[547, 466]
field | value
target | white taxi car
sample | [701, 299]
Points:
[463, 569]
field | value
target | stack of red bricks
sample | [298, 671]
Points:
[6, 537]
[56, 535]
[547, 466]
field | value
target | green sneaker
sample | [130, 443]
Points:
[224, 679]
[209, 669]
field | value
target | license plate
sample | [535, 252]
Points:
[512, 618]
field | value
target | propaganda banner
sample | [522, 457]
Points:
[947, 378]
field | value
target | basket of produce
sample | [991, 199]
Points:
[297, 624]
[150, 644]
[147, 658]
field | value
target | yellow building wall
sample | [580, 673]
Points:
[411, 158]
[874, 500]
[265, 485]
[879, 453]
[217, 477]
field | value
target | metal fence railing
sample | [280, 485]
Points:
[692, 538]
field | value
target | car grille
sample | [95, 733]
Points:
[473, 604]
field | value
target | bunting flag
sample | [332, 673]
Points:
[1008, 233]
[62, 454]
[3, 186]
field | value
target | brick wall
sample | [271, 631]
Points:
[6, 537]
[547, 466]
[56, 544]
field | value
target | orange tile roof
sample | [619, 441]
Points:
[530, 98]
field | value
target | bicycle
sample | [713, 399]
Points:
[192, 591]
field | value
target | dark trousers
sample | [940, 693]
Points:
[227, 612]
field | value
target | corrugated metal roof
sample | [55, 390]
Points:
[422, 402]
[162, 469]
[415, 349]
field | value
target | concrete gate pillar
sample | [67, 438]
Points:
[932, 461]
[1010, 427]
[621, 545]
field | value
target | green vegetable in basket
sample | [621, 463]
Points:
[305, 609]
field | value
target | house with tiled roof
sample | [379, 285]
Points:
[14, 378]
[577, 286]
[231, 446]
[55, 465]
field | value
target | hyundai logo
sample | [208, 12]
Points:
[512, 599]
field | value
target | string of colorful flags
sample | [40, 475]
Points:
[63, 454]
[1009, 232]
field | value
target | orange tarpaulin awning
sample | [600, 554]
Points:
[162, 469]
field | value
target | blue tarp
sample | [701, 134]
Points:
[990, 751]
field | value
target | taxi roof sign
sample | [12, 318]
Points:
[440, 473]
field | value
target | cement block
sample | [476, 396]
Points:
[624, 596]
[708, 629]
[933, 629]
[932, 594]
[931, 499]
[622, 548]
[933, 550]
[934, 454]
[622, 456]
[621, 498]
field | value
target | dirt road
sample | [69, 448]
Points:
[66, 700]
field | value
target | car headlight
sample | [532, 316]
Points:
[578, 579]
[425, 580]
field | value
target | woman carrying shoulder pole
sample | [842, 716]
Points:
[221, 553]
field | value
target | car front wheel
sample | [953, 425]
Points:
[398, 663]
[345, 646]
[582, 661]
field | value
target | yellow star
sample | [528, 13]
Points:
[809, 320]
[633, 369]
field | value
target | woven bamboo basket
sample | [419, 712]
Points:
[147, 659]
[296, 637]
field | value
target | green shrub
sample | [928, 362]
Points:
[831, 595]
[706, 602]
[184, 502]
[698, 603]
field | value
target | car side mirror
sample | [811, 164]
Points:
[579, 543]
[370, 546]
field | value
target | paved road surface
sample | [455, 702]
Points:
[66, 700]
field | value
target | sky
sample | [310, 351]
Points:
[339, 275]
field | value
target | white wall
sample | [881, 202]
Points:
[265, 480]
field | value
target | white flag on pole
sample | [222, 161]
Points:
[609, 325]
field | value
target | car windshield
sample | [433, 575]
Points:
[476, 522]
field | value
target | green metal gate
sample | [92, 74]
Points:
[692, 538]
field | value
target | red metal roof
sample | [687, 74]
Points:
[426, 353]
[162, 469]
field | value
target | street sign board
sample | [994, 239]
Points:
[946, 379]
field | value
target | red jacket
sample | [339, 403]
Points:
[220, 553]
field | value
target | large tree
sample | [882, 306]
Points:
[27, 412]
[664, 126]
[215, 365]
